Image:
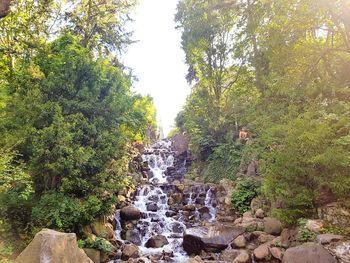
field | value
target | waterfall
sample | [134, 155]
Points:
[152, 199]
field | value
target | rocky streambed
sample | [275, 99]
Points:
[170, 219]
[167, 218]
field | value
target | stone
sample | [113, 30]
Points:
[196, 259]
[308, 252]
[189, 207]
[53, 246]
[324, 239]
[229, 255]
[263, 238]
[259, 213]
[102, 229]
[314, 225]
[177, 197]
[341, 250]
[93, 254]
[133, 235]
[276, 252]
[272, 226]
[243, 257]
[179, 144]
[130, 251]
[252, 169]
[286, 237]
[210, 239]
[335, 213]
[239, 242]
[261, 252]
[153, 207]
[157, 241]
[130, 213]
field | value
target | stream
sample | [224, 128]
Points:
[163, 215]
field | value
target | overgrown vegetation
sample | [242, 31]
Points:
[68, 116]
[277, 69]
[246, 189]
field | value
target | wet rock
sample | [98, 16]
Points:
[133, 236]
[157, 241]
[130, 213]
[261, 252]
[229, 255]
[213, 239]
[189, 207]
[130, 251]
[314, 225]
[308, 252]
[58, 247]
[177, 197]
[196, 259]
[324, 239]
[272, 226]
[170, 213]
[177, 228]
[239, 242]
[243, 257]
[153, 207]
[341, 250]
[276, 253]
[259, 213]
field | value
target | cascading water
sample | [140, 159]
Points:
[153, 201]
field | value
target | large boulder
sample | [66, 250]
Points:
[262, 252]
[157, 241]
[93, 254]
[133, 235]
[308, 252]
[272, 226]
[130, 213]
[54, 247]
[324, 239]
[179, 144]
[209, 239]
[130, 251]
[102, 229]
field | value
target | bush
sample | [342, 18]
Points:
[223, 163]
[304, 234]
[67, 214]
[246, 190]
[98, 243]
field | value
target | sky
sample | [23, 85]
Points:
[158, 60]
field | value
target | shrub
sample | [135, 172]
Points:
[223, 162]
[246, 190]
[65, 213]
[304, 234]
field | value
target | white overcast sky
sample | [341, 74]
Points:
[157, 58]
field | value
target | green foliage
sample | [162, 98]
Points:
[223, 163]
[246, 189]
[304, 234]
[57, 211]
[15, 192]
[285, 81]
[252, 228]
[98, 243]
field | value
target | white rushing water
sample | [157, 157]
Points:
[153, 203]
[158, 218]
